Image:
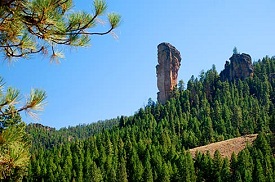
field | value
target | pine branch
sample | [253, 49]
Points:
[45, 21]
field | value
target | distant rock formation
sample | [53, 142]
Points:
[167, 70]
[239, 67]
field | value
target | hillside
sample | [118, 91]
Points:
[46, 137]
[226, 147]
[153, 144]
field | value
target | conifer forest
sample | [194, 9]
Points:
[154, 143]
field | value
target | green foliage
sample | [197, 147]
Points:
[235, 50]
[14, 151]
[151, 145]
[30, 27]
[14, 141]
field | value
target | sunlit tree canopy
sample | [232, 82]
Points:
[41, 26]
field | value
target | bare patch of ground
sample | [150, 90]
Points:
[227, 147]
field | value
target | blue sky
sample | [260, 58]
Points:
[114, 77]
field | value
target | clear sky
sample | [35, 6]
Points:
[115, 77]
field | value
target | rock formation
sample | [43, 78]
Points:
[239, 67]
[167, 70]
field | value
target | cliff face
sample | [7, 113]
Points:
[167, 70]
[239, 67]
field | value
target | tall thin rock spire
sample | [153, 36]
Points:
[169, 59]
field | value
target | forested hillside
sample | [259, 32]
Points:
[152, 145]
[46, 137]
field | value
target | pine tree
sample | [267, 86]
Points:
[164, 175]
[233, 166]
[262, 144]
[29, 27]
[259, 173]
[14, 141]
[268, 168]
[207, 166]
[96, 175]
[217, 166]
[245, 165]
[122, 170]
[135, 168]
[225, 171]
[238, 177]
[190, 164]
[148, 173]
[87, 166]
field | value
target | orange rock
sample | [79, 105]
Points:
[167, 70]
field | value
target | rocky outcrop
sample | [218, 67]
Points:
[239, 67]
[167, 70]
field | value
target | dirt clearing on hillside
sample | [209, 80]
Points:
[226, 147]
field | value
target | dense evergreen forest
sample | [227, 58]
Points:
[152, 145]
